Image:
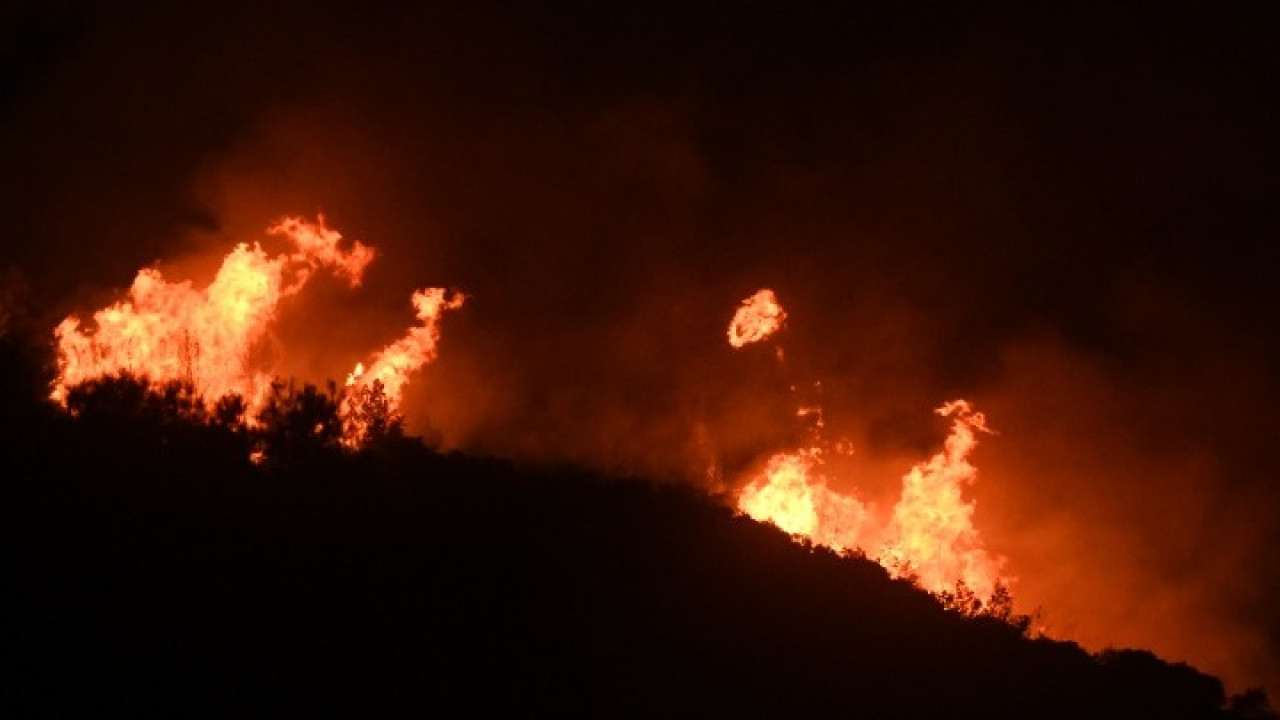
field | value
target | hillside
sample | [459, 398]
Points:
[151, 570]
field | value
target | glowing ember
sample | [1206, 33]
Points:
[173, 331]
[757, 318]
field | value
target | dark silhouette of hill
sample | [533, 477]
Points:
[151, 570]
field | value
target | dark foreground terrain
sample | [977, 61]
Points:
[150, 570]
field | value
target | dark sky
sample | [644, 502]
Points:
[1065, 215]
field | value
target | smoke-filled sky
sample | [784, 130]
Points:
[1065, 216]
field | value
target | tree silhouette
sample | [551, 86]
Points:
[1252, 704]
[131, 403]
[298, 425]
[368, 416]
[229, 412]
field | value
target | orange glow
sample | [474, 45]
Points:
[757, 318]
[318, 246]
[929, 536]
[390, 368]
[932, 536]
[791, 493]
[174, 331]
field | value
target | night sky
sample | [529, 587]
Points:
[1066, 215]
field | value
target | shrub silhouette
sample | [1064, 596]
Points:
[295, 422]
[127, 405]
[368, 417]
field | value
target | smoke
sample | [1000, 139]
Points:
[1127, 499]
[1057, 218]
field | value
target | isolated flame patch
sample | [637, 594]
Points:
[759, 316]
[167, 331]
[929, 536]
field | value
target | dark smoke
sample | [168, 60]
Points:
[1063, 217]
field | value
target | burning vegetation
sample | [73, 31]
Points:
[173, 350]
[1061, 215]
[193, 345]
[929, 536]
[173, 333]
[164, 374]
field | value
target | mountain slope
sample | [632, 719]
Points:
[152, 570]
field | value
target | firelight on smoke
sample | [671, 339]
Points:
[929, 536]
[167, 331]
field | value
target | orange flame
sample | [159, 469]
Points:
[757, 318]
[791, 493]
[318, 246]
[929, 536]
[932, 534]
[390, 368]
[166, 331]
[173, 331]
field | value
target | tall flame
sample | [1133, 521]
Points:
[929, 536]
[757, 318]
[174, 331]
[932, 535]
[390, 368]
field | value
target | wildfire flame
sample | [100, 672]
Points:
[318, 246]
[757, 318]
[929, 536]
[390, 368]
[932, 533]
[790, 492]
[168, 331]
